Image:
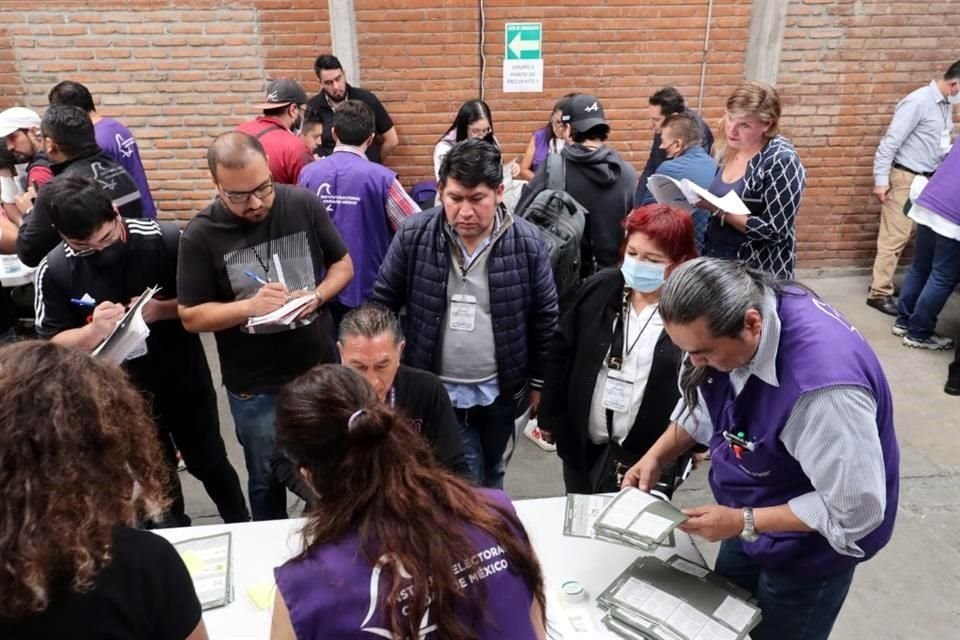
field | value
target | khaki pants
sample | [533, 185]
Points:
[893, 235]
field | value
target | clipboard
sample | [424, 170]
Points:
[128, 340]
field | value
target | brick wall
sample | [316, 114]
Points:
[178, 72]
[424, 63]
[844, 66]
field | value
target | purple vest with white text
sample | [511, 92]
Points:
[354, 191]
[336, 594]
[818, 348]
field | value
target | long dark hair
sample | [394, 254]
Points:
[471, 111]
[372, 477]
[79, 455]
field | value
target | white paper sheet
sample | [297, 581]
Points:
[660, 605]
[687, 620]
[650, 525]
[625, 508]
[284, 315]
[713, 630]
[735, 613]
[634, 592]
[688, 567]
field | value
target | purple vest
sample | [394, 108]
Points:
[541, 147]
[354, 192]
[818, 348]
[942, 193]
[118, 143]
[335, 593]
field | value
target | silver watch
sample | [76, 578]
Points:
[749, 533]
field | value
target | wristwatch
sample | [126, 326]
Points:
[749, 533]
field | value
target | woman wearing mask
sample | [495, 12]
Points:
[763, 168]
[473, 121]
[395, 546]
[612, 371]
[544, 141]
[80, 464]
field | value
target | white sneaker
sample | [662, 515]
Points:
[933, 342]
[532, 431]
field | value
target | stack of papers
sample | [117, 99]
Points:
[638, 519]
[128, 340]
[676, 600]
[208, 562]
[284, 315]
[685, 195]
[582, 511]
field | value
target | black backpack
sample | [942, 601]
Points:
[561, 220]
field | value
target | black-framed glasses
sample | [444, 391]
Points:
[242, 197]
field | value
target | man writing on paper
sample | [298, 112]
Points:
[805, 464]
[258, 231]
[82, 289]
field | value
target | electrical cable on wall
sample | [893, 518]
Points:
[483, 41]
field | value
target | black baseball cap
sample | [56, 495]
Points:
[583, 112]
[282, 92]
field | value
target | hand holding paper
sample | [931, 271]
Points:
[267, 299]
[686, 195]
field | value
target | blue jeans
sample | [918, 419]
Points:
[487, 432]
[254, 417]
[931, 279]
[793, 608]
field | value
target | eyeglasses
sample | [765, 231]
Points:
[242, 197]
[89, 248]
[479, 133]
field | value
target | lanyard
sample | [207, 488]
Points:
[626, 321]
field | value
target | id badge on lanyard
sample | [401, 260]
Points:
[617, 392]
[463, 312]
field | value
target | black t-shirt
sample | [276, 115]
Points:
[381, 119]
[145, 593]
[8, 315]
[216, 252]
[147, 257]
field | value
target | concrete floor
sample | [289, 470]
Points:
[911, 590]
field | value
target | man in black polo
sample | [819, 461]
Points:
[371, 343]
[83, 287]
[334, 91]
[71, 144]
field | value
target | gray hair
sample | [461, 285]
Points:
[233, 150]
[719, 291]
[369, 320]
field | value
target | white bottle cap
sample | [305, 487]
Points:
[572, 591]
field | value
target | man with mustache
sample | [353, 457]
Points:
[257, 246]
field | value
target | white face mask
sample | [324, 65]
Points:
[954, 99]
[9, 190]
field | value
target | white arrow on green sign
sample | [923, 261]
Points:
[523, 41]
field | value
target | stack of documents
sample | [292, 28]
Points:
[638, 519]
[676, 600]
[685, 195]
[128, 340]
[208, 562]
[284, 315]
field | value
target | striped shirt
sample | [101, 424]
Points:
[830, 429]
[914, 135]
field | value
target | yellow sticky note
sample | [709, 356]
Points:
[262, 594]
[194, 564]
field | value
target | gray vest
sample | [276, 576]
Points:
[468, 357]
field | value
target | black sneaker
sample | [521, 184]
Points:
[899, 330]
[952, 388]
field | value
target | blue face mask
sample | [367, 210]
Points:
[642, 276]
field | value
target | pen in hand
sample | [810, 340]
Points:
[255, 277]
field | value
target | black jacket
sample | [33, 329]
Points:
[604, 183]
[422, 399]
[37, 235]
[580, 344]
